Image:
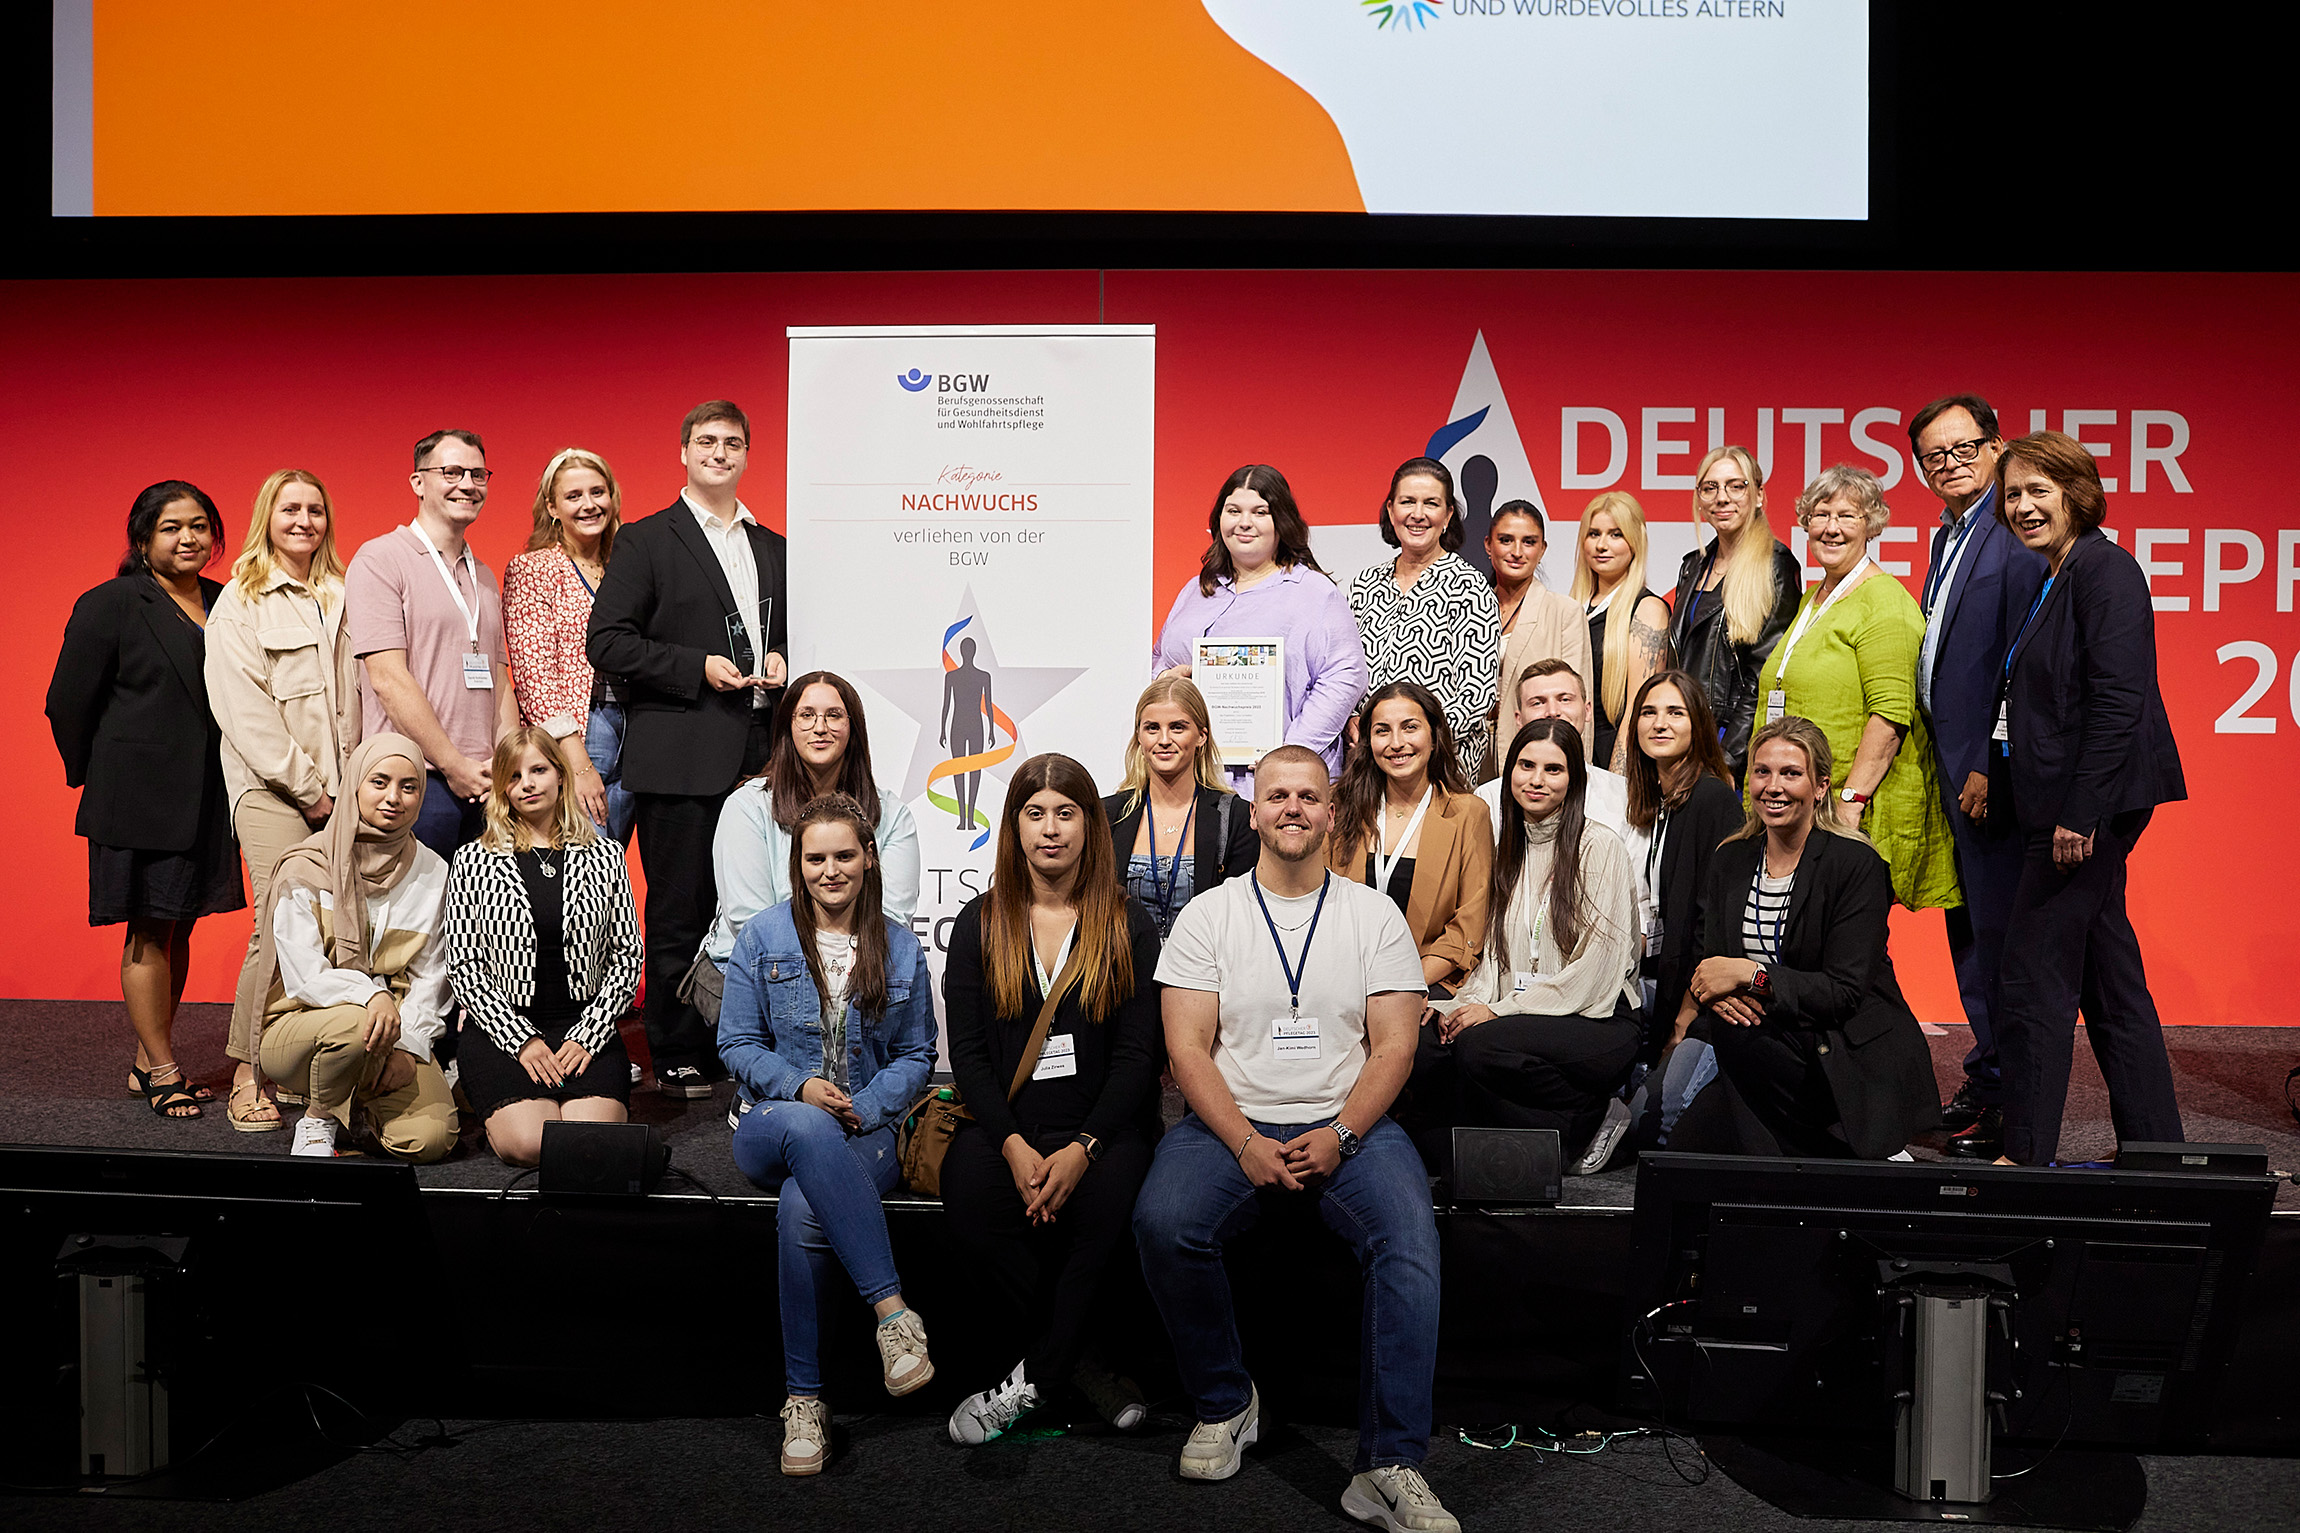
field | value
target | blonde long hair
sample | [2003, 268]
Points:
[547, 531]
[1748, 584]
[1819, 761]
[1629, 516]
[253, 568]
[505, 831]
[1183, 694]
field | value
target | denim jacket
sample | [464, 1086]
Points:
[771, 1029]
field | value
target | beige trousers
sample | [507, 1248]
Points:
[267, 826]
[323, 1054]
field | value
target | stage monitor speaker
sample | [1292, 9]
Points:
[1507, 1165]
[2221, 1159]
[600, 1160]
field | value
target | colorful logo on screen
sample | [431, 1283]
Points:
[1404, 15]
[976, 722]
[913, 381]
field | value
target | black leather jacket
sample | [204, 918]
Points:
[1728, 671]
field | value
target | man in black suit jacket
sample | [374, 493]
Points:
[1978, 571]
[690, 617]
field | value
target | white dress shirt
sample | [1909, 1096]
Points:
[1930, 648]
[732, 545]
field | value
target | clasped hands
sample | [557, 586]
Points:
[1722, 985]
[1452, 1024]
[547, 1066]
[1293, 1163]
[1044, 1181]
[818, 1092]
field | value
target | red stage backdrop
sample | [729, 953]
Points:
[1614, 380]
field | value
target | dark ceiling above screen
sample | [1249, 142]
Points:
[1578, 109]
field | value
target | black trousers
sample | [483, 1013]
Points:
[1043, 1279]
[1770, 1097]
[1526, 1072]
[675, 831]
[1988, 869]
[2071, 946]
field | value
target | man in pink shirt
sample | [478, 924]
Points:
[426, 621]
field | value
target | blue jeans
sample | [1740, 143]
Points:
[1661, 1099]
[1197, 1197]
[446, 822]
[603, 743]
[830, 1187]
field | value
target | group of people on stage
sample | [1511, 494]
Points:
[1600, 863]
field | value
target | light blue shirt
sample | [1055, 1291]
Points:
[751, 856]
[1962, 531]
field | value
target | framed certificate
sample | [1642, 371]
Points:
[1244, 684]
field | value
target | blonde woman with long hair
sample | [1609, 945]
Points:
[1176, 828]
[544, 954]
[1735, 598]
[547, 594]
[1628, 624]
[1817, 1053]
[284, 687]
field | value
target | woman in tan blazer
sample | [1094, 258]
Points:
[1536, 622]
[284, 692]
[1407, 823]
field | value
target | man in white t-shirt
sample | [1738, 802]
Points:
[1552, 689]
[1293, 1003]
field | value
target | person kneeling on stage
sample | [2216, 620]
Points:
[544, 953]
[1817, 1054]
[1545, 1029]
[828, 1023]
[1054, 1042]
[1290, 1007]
[355, 978]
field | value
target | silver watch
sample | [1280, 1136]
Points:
[1351, 1143]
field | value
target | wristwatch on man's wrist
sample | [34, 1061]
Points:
[1350, 1142]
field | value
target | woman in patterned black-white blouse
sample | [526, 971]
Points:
[544, 953]
[1428, 616]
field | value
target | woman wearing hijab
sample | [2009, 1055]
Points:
[356, 994]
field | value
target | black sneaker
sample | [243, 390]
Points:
[685, 1082]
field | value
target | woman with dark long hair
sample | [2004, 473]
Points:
[1545, 1028]
[1040, 1184]
[1407, 824]
[828, 1024]
[130, 712]
[1259, 580]
[1428, 616]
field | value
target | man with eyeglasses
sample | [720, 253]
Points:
[691, 615]
[426, 620]
[1978, 583]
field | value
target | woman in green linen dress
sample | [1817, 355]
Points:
[1849, 663]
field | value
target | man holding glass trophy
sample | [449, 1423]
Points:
[690, 616]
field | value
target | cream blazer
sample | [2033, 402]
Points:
[283, 689]
[1549, 626]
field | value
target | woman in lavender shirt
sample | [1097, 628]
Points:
[1259, 581]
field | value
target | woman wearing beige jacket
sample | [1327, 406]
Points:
[281, 682]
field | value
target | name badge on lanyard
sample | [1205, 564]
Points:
[2002, 734]
[1777, 700]
[1057, 1059]
[478, 675]
[1776, 705]
[1294, 1037]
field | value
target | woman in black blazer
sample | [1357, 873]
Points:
[129, 707]
[2084, 755]
[1040, 1184]
[1817, 1054]
[1176, 798]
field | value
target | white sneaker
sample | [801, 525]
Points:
[1117, 1399]
[806, 1435]
[1216, 1448]
[740, 1108]
[1608, 1139]
[1396, 1497]
[902, 1352]
[981, 1417]
[314, 1136]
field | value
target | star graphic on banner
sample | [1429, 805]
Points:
[1018, 691]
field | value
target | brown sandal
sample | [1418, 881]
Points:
[248, 1117]
[169, 1098]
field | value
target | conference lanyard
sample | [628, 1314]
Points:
[1813, 614]
[1164, 892]
[1937, 578]
[579, 575]
[439, 563]
[1061, 956]
[1293, 975]
[1780, 920]
[1386, 861]
[1686, 619]
[2013, 648]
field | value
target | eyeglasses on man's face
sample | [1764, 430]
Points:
[456, 473]
[1960, 452]
[710, 444]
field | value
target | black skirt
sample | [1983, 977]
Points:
[492, 1079]
[128, 884]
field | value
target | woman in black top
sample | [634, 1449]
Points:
[1817, 1054]
[1176, 800]
[1040, 1185]
[129, 708]
[1735, 598]
[2087, 756]
[544, 952]
[1681, 797]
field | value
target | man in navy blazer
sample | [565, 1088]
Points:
[1978, 586]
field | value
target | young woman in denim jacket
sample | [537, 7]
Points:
[828, 1022]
